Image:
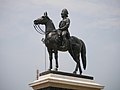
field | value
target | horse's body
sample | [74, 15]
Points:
[74, 45]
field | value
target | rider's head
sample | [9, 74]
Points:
[64, 13]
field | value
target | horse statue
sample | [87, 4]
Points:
[74, 46]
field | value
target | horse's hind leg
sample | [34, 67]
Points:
[72, 54]
[76, 59]
[78, 66]
[76, 69]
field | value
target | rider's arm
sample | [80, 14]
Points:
[67, 25]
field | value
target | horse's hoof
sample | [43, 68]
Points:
[74, 72]
[56, 69]
[49, 69]
[81, 73]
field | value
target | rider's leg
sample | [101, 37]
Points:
[64, 33]
[60, 36]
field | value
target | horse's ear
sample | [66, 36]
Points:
[45, 13]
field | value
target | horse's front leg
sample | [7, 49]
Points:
[50, 58]
[56, 59]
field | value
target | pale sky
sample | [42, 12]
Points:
[96, 22]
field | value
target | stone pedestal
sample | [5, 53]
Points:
[55, 80]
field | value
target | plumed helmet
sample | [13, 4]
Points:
[65, 11]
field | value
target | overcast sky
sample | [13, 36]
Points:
[96, 22]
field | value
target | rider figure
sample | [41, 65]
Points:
[63, 27]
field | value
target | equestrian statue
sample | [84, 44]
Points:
[61, 40]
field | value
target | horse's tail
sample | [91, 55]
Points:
[83, 55]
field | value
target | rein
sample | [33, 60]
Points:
[39, 29]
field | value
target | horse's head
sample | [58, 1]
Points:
[42, 20]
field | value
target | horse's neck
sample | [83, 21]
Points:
[49, 26]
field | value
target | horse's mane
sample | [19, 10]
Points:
[51, 21]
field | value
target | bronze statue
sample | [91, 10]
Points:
[73, 45]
